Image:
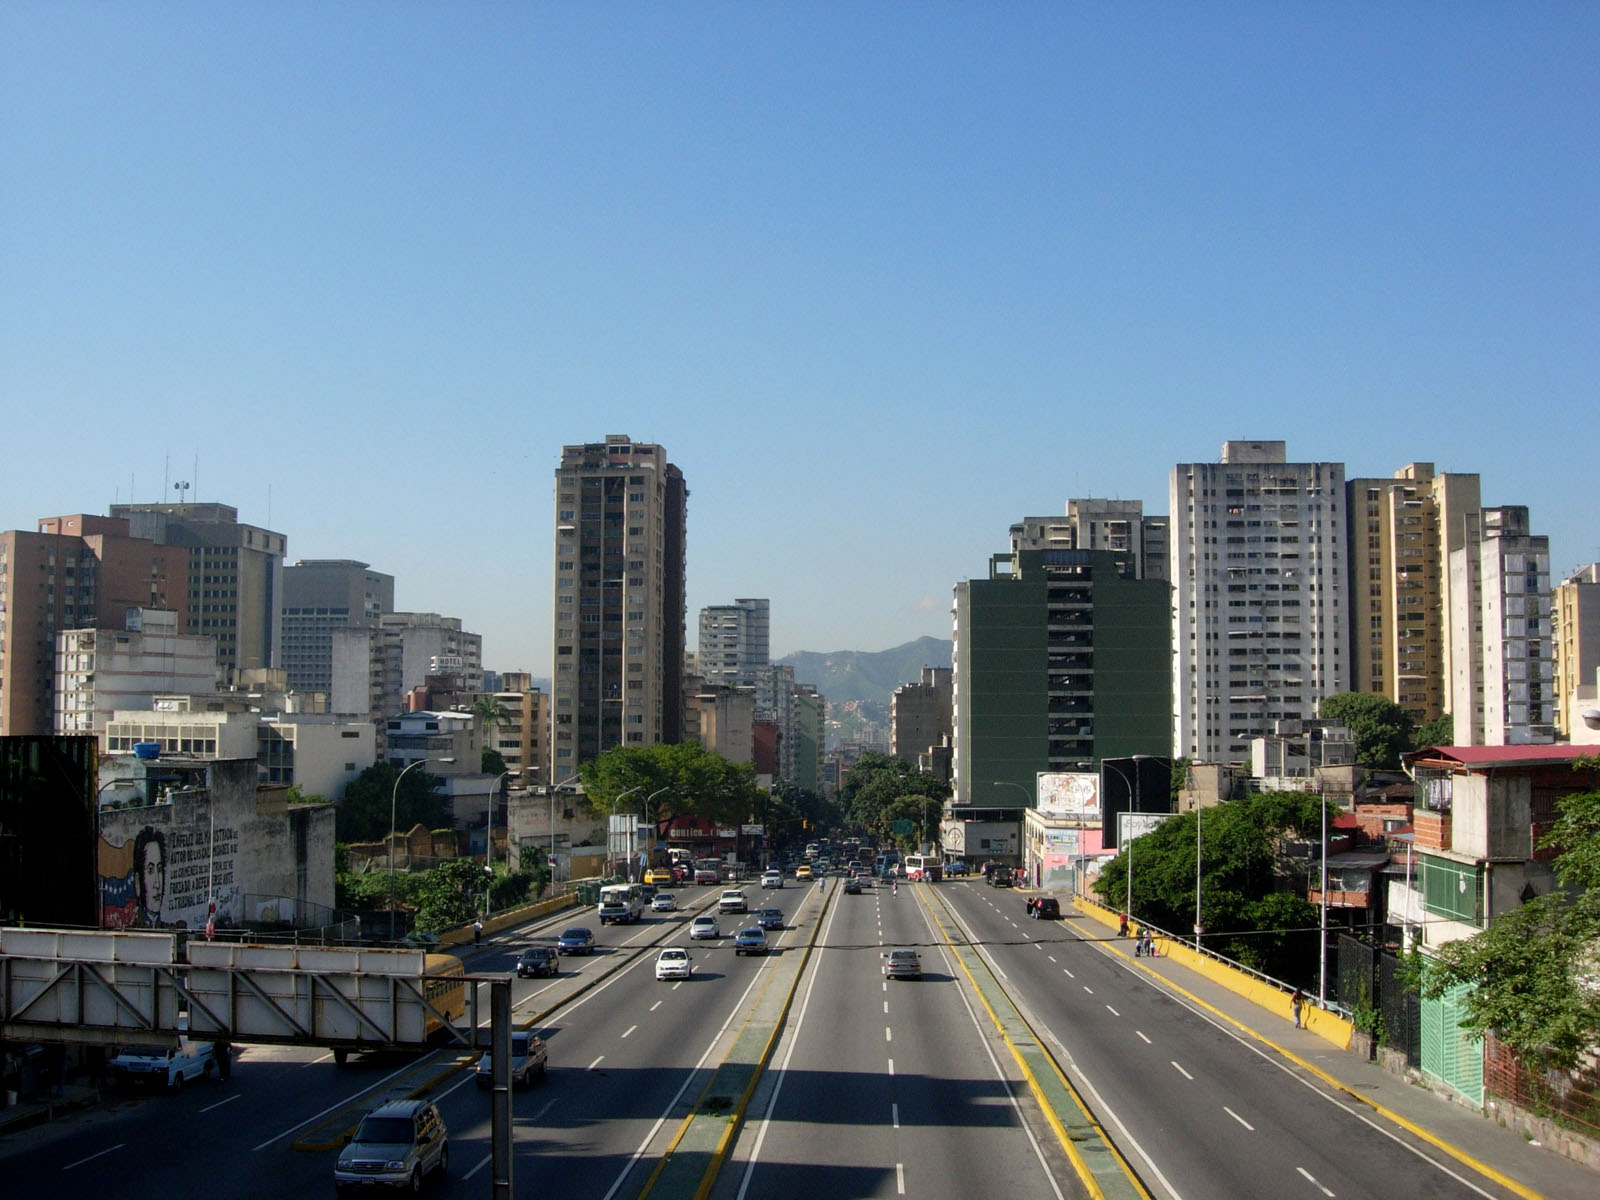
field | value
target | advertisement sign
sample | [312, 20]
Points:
[1070, 795]
[1062, 840]
[1133, 825]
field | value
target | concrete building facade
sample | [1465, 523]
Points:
[74, 572]
[1401, 533]
[809, 738]
[99, 671]
[321, 597]
[1503, 687]
[1119, 526]
[621, 524]
[235, 584]
[920, 714]
[735, 643]
[1260, 624]
[414, 646]
[1060, 656]
[1575, 618]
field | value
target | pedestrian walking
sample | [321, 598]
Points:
[1122, 928]
[1297, 1002]
[1149, 942]
[477, 933]
[224, 1056]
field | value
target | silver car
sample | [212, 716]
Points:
[396, 1145]
[529, 1059]
[902, 964]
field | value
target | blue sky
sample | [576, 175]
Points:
[883, 278]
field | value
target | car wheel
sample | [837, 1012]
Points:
[177, 1082]
[544, 1069]
[444, 1159]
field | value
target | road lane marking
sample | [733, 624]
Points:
[1068, 973]
[888, 1034]
[900, 1179]
[1052, 958]
[1312, 1180]
[1238, 1118]
[629, 1030]
[891, 1066]
[596, 1062]
[479, 1167]
[1144, 1039]
[1112, 1011]
[886, 1008]
[1088, 989]
[315, 1061]
[1180, 1070]
[656, 1005]
[94, 1156]
[894, 1114]
[220, 1103]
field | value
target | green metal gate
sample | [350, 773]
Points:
[1448, 1054]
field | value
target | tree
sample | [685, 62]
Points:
[877, 783]
[363, 814]
[450, 894]
[1532, 972]
[1249, 912]
[491, 762]
[1441, 731]
[685, 780]
[1380, 728]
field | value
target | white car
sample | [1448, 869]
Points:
[664, 902]
[674, 963]
[705, 926]
[772, 879]
[733, 900]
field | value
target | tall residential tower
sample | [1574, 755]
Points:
[620, 600]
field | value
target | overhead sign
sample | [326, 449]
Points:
[1069, 795]
[902, 828]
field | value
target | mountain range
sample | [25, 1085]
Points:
[865, 675]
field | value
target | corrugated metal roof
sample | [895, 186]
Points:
[1502, 756]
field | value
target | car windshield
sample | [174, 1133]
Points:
[388, 1130]
[673, 954]
[576, 933]
[520, 1043]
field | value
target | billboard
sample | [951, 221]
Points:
[1135, 825]
[1069, 795]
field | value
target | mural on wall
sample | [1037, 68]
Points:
[161, 878]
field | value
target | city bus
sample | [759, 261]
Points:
[928, 868]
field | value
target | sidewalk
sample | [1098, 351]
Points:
[1470, 1142]
[33, 1112]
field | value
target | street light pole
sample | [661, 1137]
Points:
[1198, 927]
[488, 841]
[1032, 803]
[394, 801]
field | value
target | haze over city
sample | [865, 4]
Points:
[881, 279]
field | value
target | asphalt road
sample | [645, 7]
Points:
[890, 1087]
[1202, 1113]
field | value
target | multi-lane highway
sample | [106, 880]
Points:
[875, 1087]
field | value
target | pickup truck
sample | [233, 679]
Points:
[733, 900]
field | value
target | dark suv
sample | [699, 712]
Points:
[538, 960]
[1001, 877]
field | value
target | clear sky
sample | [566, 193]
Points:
[883, 278]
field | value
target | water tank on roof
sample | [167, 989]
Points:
[147, 750]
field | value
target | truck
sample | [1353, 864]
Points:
[621, 903]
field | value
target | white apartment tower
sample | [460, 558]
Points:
[735, 644]
[1093, 524]
[1259, 615]
[620, 601]
[1502, 688]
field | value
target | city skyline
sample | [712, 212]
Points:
[879, 287]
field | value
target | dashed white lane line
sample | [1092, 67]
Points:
[220, 1103]
[1068, 973]
[1238, 1118]
[1052, 958]
[886, 1008]
[629, 1030]
[1112, 1011]
[596, 1062]
[1180, 1070]
[894, 1114]
[888, 1034]
[900, 1179]
[1088, 989]
[655, 1006]
[92, 1157]
[1144, 1039]
[891, 1066]
[1310, 1178]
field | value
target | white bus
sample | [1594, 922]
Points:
[929, 868]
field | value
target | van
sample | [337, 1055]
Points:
[620, 903]
[166, 1067]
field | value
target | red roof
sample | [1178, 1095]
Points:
[1504, 756]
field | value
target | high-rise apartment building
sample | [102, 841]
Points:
[75, 572]
[99, 671]
[412, 647]
[920, 714]
[775, 691]
[235, 576]
[321, 596]
[1575, 614]
[1401, 533]
[620, 600]
[735, 643]
[1503, 686]
[1260, 629]
[521, 736]
[809, 739]
[1060, 656]
[1119, 526]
